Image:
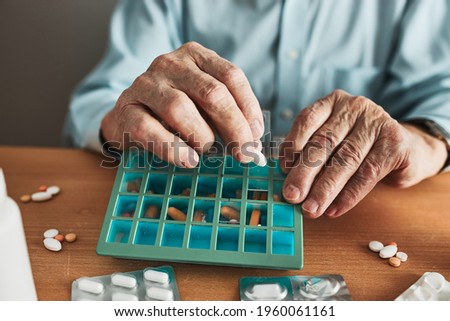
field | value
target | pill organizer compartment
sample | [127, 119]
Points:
[225, 214]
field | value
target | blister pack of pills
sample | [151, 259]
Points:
[327, 287]
[150, 284]
[431, 286]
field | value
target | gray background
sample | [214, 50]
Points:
[46, 48]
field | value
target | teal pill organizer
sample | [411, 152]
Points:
[227, 213]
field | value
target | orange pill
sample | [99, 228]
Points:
[395, 261]
[255, 217]
[256, 195]
[186, 192]
[71, 237]
[390, 243]
[152, 212]
[59, 237]
[276, 197]
[199, 216]
[230, 213]
[263, 196]
[42, 188]
[176, 214]
[239, 193]
[132, 187]
[25, 198]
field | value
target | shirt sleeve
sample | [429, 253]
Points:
[418, 85]
[140, 30]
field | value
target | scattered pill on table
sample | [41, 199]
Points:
[51, 233]
[156, 276]
[25, 198]
[375, 246]
[394, 261]
[42, 188]
[152, 212]
[402, 256]
[176, 214]
[52, 244]
[54, 190]
[391, 243]
[59, 237]
[70, 237]
[388, 251]
[255, 217]
[41, 196]
[229, 212]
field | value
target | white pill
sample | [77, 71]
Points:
[41, 196]
[375, 246]
[51, 233]
[156, 293]
[119, 296]
[402, 256]
[54, 190]
[434, 281]
[388, 251]
[266, 292]
[259, 158]
[91, 286]
[123, 280]
[156, 276]
[52, 244]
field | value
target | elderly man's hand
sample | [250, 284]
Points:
[175, 108]
[342, 145]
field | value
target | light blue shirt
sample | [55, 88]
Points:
[395, 52]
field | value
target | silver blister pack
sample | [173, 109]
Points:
[327, 287]
[150, 284]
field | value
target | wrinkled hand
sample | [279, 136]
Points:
[177, 105]
[342, 145]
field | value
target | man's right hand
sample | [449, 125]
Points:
[175, 108]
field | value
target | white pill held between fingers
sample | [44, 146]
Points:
[52, 244]
[51, 233]
[402, 256]
[267, 292]
[54, 190]
[119, 296]
[388, 251]
[375, 246]
[41, 196]
[160, 294]
[91, 286]
[123, 280]
[259, 159]
[156, 276]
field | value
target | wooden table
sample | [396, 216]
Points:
[418, 219]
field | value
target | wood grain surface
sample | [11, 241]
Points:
[418, 219]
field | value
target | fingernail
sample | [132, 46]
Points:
[242, 158]
[310, 206]
[257, 128]
[331, 212]
[291, 192]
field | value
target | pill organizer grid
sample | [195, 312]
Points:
[276, 242]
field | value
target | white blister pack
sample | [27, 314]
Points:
[150, 284]
[431, 286]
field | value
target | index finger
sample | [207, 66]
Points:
[236, 82]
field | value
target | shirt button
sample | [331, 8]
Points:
[287, 114]
[293, 54]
